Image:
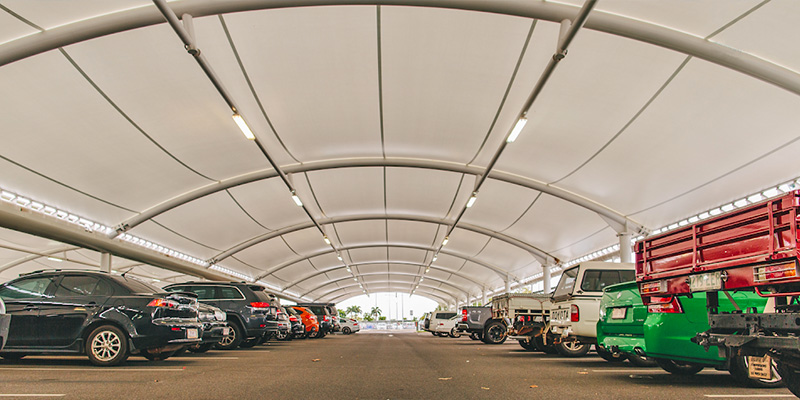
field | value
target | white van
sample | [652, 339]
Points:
[443, 323]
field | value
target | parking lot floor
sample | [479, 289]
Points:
[365, 365]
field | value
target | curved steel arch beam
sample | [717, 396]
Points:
[606, 213]
[376, 286]
[598, 20]
[500, 272]
[541, 256]
[438, 299]
[441, 281]
[399, 262]
[34, 256]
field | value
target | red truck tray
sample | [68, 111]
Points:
[752, 246]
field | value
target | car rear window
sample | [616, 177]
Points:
[595, 280]
[136, 287]
[445, 315]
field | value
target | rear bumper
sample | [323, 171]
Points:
[167, 333]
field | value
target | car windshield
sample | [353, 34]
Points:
[566, 283]
[136, 286]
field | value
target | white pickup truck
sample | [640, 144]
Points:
[576, 304]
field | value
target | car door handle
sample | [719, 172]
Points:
[30, 307]
[91, 304]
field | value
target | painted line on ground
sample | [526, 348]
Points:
[202, 358]
[32, 395]
[100, 369]
[565, 359]
[752, 396]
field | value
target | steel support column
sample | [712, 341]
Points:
[546, 278]
[105, 262]
[625, 250]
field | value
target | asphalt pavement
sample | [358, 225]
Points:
[365, 365]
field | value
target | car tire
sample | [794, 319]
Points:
[107, 346]
[475, 336]
[346, 330]
[232, 341]
[281, 335]
[641, 361]
[250, 343]
[610, 356]
[157, 356]
[201, 348]
[791, 377]
[179, 352]
[434, 334]
[739, 370]
[546, 348]
[679, 367]
[454, 333]
[528, 345]
[572, 349]
[495, 333]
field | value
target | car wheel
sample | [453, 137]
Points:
[201, 348]
[454, 333]
[541, 346]
[494, 333]
[610, 356]
[346, 330]
[791, 376]
[740, 366]
[679, 367]
[282, 335]
[641, 361]
[528, 345]
[161, 356]
[107, 346]
[572, 349]
[475, 336]
[434, 334]
[232, 341]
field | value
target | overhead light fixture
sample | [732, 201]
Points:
[472, 199]
[339, 257]
[296, 199]
[434, 258]
[355, 279]
[348, 269]
[446, 239]
[327, 241]
[517, 129]
[243, 126]
[55, 259]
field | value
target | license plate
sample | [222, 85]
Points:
[759, 367]
[618, 313]
[705, 282]
[226, 331]
[191, 333]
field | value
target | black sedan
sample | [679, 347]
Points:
[107, 317]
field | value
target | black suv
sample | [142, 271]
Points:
[251, 312]
[325, 316]
[107, 317]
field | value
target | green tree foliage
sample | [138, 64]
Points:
[353, 311]
[342, 314]
[375, 312]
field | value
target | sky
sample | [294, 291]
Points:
[392, 305]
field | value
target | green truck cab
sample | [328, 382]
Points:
[662, 331]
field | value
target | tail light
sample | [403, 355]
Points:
[163, 303]
[464, 315]
[293, 318]
[574, 313]
[259, 304]
[326, 318]
[669, 305]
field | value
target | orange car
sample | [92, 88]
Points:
[309, 320]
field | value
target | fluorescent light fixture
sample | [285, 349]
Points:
[156, 280]
[446, 239]
[339, 257]
[55, 259]
[243, 126]
[7, 196]
[327, 241]
[728, 207]
[348, 269]
[428, 270]
[296, 199]
[472, 199]
[771, 192]
[517, 129]
[355, 279]
[434, 258]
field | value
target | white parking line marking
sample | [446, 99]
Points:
[203, 358]
[566, 359]
[32, 395]
[91, 369]
[744, 396]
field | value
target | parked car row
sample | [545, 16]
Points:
[110, 317]
[598, 305]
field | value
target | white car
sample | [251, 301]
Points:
[349, 326]
[443, 323]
